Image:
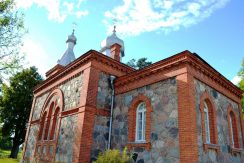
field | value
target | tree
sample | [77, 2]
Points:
[241, 83]
[11, 32]
[15, 106]
[139, 64]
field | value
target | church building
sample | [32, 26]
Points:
[179, 109]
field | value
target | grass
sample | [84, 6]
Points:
[4, 154]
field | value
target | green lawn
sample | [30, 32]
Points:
[4, 157]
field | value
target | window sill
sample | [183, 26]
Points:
[146, 145]
[215, 147]
[235, 150]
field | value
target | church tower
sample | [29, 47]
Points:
[68, 55]
[113, 46]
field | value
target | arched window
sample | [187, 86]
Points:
[208, 118]
[54, 123]
[141, 122]
[233, 129]
[42, 125]
[207, 124]
[49, 124]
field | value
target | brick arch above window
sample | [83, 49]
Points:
[206, 101]
[233, 129]
[132, 121]
[55, 92]
[49, 126]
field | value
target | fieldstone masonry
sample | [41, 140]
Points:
[164, 122]
[71, 90]
[67, 130]
[160, 85]
[221, 103]
[31, 141]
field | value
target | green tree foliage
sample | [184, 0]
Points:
[241, 84]
[139, 64]
[5, 142]
[113, 156]
[11, 32]
[15, 106]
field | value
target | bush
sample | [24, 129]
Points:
[113, 156]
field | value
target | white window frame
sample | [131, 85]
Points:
[141, 109]
[206, 123]
[231, 132]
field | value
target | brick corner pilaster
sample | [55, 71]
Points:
[187, 119]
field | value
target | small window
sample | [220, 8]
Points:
[206, 120]
[234, 140]
[141, 122]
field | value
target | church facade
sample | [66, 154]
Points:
[179, 109]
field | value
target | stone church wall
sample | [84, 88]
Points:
[64, 151]
[164, 122]
[30, 146]
[221, 103]
[38, 106]
[104, 92]
[101, 124]
[71, 90]
[100, 136]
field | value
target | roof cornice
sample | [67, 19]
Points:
[82, 60]
[185, 57]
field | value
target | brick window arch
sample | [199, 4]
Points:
[208, 122]
[233, 128]
[140, 106]
[49, 125]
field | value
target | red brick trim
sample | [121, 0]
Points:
[205, 97]
[35, 121]
[235, 151]
[88, 98]
[132, 145]
[132, 120]
[202, 71]
[211, 147]
[81, 62]
[235, 128]
[148, 77]
[45, 139]
[69, 112]
[28, 127]
[188, 139]
[55, 92]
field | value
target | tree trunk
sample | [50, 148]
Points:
[14, 151]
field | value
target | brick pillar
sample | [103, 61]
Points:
[188, 140]
[83, 136]
[115, 52]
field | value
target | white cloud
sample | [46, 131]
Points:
[58, 10]
[81, 13]
[236, 80]
[36, 55]
[137, 16]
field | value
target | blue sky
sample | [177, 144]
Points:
[155, 29]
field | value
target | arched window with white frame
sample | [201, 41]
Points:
[141, 122]
[207, 124]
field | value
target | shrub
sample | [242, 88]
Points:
[114, 156]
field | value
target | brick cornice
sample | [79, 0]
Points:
[126, 82]
[89, 56]
[204, 68]
[163, 65]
